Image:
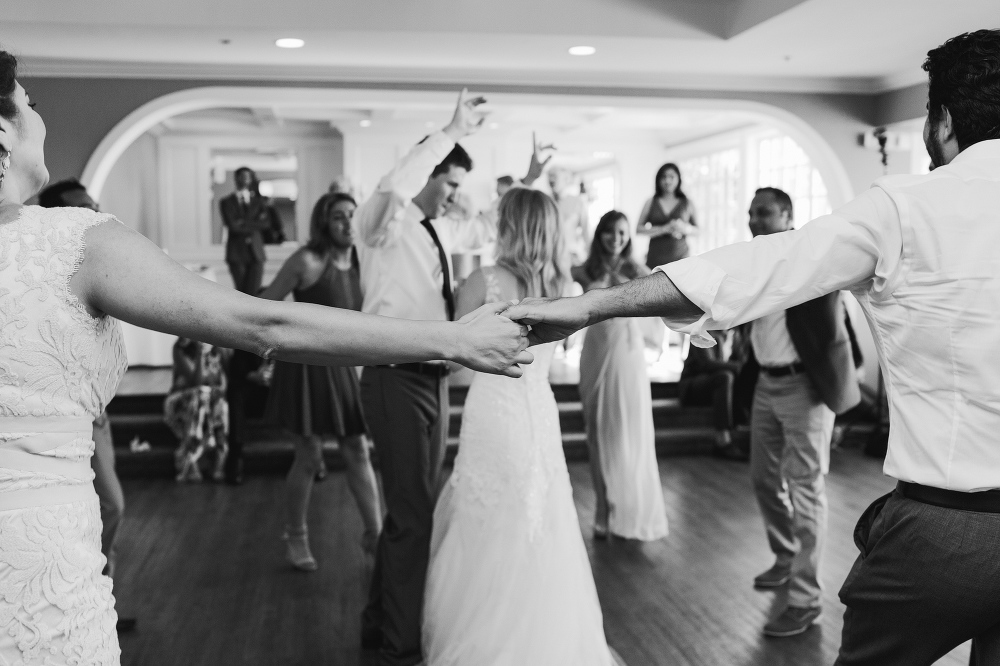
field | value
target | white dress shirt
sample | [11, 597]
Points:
[772, 344]
[922, 255]
[401, 273]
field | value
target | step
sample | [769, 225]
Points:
[667, 413]
[274, 455]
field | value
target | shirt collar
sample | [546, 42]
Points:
[982, 150]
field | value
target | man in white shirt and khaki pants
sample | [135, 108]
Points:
[806, 377]
[404, 257]
[922, 255]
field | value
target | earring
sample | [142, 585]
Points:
[4, 165]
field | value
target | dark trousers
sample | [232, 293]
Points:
[927, 580]
[407, 414]
[247, 277]
[242, 396]
[711, 390]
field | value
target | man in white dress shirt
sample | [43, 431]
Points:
[921, 254]
[405, 249]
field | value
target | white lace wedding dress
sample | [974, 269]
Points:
[58, 369]
[509, 582]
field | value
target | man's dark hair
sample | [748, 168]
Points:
[52, 196]
[505, 180]
[457, 157]
[964, 76]
[780, 197]
[8, 84]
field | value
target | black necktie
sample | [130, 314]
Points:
[449, 298]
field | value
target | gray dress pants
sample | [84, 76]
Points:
[926, 581]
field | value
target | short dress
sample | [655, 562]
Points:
[667, 249]
[317, 399]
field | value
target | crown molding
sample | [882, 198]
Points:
[52, 68]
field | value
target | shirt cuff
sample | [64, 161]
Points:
[699, 281]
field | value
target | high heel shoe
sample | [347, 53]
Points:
[297, 551]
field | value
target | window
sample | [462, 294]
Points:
[713, 182]
[783, 164]
[721, 183]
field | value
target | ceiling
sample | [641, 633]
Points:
[620, 122]
[810, 45]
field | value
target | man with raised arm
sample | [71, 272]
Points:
[920, 254]
[404, 251]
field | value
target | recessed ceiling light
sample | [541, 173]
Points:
[494, 125]
[289, 43]
[582, 50]
[365, 123]
[429, 124]
[603, 155]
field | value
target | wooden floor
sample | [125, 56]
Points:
[202, 569]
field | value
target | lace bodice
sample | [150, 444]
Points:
[510, 444]
[58, 369]
[55, 359]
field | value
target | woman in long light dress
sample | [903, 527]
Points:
[509, 582]
[66, 274]
[617, 402]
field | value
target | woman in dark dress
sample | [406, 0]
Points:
[667, 219]
[317, 402]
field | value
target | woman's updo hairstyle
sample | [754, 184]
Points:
[8, 84]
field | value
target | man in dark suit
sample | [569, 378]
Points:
[251, 221]
[807, 376]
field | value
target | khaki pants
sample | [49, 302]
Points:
[790, 431]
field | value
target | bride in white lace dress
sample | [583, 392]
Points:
[64, 274]
[509, 582]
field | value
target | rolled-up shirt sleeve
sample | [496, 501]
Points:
[858, 242]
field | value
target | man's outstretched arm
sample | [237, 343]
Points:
[651, 296]
[738, 283]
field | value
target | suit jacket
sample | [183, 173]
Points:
[245, 244]
[825, 342]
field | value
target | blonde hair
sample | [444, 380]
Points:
[529, 242]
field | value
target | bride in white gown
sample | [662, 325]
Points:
[66, 274]
[509, 582]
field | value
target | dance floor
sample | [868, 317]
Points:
[202, 568]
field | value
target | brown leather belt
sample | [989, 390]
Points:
[986, 501]
[429, 369]
[784, 370]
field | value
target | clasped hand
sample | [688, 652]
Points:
[497, 334]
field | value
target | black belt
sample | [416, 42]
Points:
[784, 370]
[986, 501]
[429, 369]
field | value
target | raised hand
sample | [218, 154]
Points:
[491, 342]
[536, 165]
[468, 118]
[550, 319]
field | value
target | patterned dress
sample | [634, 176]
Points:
[59, 367]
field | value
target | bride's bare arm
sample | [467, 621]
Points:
[126, 276]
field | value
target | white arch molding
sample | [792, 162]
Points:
[147, 116]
